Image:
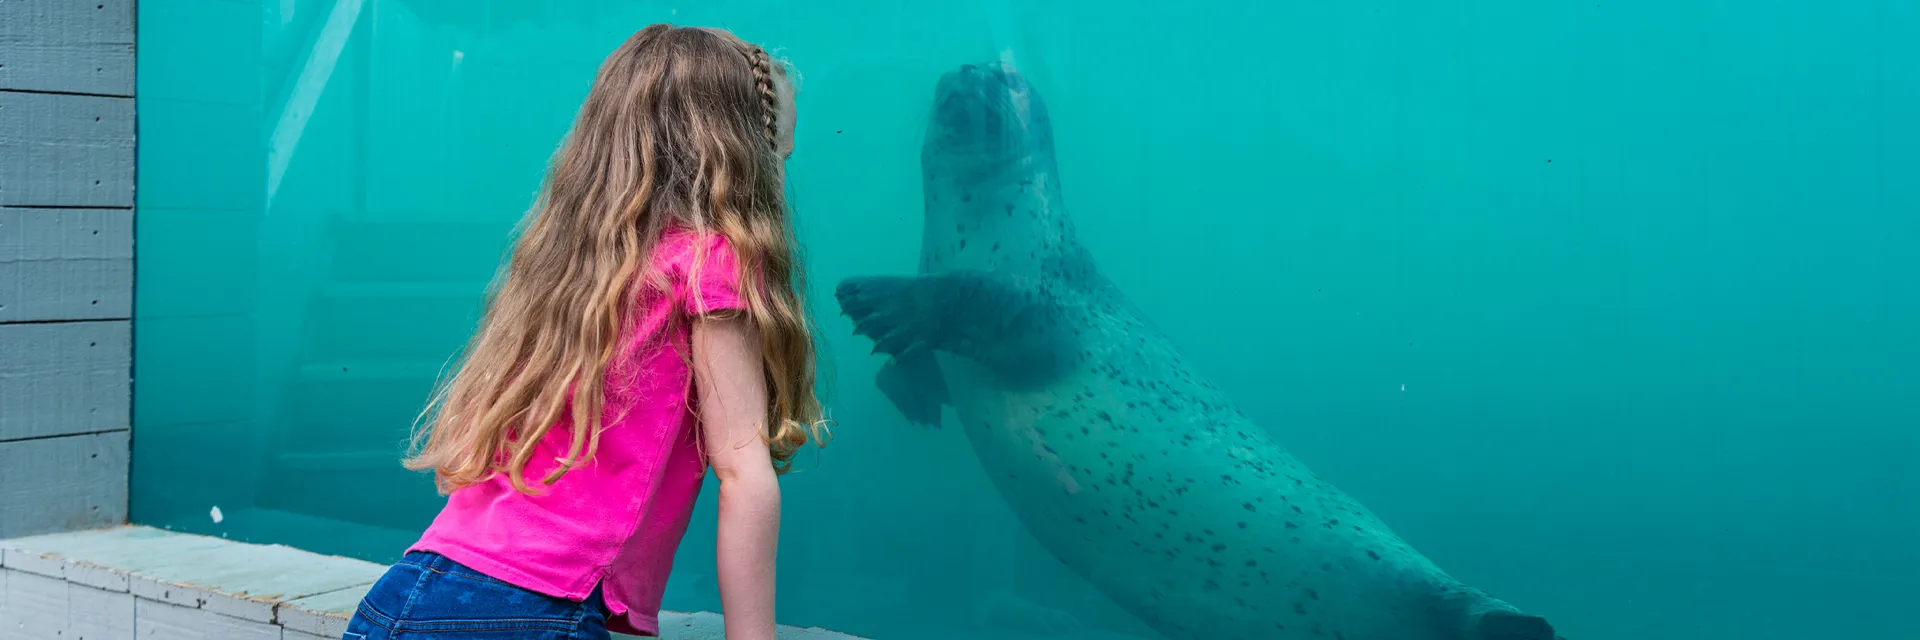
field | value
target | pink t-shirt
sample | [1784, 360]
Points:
[616, 521]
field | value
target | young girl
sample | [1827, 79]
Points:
[648, 326]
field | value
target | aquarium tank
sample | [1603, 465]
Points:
[1224, 315]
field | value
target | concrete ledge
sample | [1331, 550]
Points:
[151, 584]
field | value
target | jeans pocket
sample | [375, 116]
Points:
[383, 604]
[448, 598]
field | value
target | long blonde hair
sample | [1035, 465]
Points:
[679, 131]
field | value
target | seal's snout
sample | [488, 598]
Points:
[986, 79]
[985, 115]
[995, 73]
[972, 87]
[984, 100]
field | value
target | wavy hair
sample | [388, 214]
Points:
[680, 130]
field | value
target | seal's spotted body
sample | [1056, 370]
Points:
[1134, 471]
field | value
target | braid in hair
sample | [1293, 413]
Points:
[763, 79]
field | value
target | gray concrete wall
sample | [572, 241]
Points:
[66, 263]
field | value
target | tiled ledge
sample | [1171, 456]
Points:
[149, 584]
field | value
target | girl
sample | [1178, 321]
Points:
[648, 325]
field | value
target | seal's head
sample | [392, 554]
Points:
[992, 187]
[986, 118]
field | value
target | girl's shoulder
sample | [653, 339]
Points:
[701, 268]
[681, 249]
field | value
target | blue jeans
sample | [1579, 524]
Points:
[426, 596]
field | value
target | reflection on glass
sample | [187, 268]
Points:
[1604, 310]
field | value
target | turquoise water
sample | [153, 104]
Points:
[1608, 308]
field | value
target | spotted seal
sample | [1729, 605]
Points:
[1132, 469]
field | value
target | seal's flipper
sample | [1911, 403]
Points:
[1013, 327]
[1507, 625]
[913, 383]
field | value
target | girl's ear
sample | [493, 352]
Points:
[783, 143]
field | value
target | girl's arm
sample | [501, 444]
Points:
[733, 409]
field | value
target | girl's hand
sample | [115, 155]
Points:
[733, 406]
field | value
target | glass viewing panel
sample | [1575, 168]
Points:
[1606, 309]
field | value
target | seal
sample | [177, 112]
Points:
[1126, 464]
